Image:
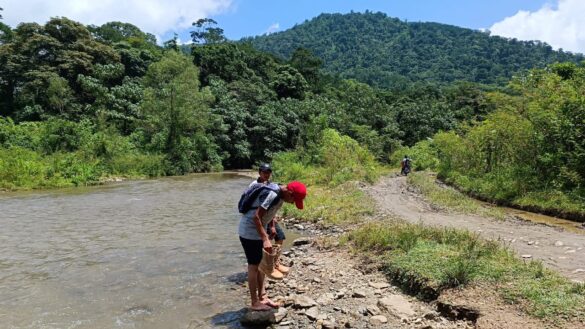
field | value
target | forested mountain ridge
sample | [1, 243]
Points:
[387, 52]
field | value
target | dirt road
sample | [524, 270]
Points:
[558, 249]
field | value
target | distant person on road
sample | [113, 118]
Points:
[256, 241]
[405, 165]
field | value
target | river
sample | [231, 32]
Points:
[142, 254]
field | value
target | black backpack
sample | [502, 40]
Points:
[250, 194]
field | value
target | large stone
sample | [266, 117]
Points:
[258, 318]
[378, 320]
[397, 305]
[312, 313]
[280, 314]
[304, 302]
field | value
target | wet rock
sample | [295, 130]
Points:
[378, 320]
[397, 305]
[258, 318]
[301, 241]
[304, 302]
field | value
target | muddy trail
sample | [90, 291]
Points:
[558, 249]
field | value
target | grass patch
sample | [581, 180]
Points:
[449, 198]
[341, 205]
[443, 258]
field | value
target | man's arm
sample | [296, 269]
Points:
[260, 212]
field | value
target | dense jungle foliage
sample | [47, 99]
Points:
[530, 151]
[387, 52]
[79, 104]
[82, 104]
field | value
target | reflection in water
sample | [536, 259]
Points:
[147, 254]
[565, 224]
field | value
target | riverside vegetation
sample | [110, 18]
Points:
[80, 104]
[423, 260]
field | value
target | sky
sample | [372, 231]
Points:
[560, 23]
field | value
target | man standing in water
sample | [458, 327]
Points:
[273, 228]
[254, 237]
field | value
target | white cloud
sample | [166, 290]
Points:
[153, 16]
[272, 28]
[562, 26]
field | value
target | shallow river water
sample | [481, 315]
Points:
[146, 254]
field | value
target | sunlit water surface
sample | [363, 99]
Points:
[147, 254]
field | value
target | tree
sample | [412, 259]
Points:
[206, 32]
[177, 114]
[172, 44]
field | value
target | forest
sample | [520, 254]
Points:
[387, 52]
[83, 104]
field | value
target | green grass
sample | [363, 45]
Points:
[25, 169]
[442, 258]
[341, 205]
[449, 198]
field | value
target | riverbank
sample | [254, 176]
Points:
[330, 287]
[333, 285]
[463, 273]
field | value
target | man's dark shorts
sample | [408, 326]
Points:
[253, 250]
[279, 232]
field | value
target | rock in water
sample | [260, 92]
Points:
[258, 318]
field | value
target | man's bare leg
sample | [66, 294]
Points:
[262, 295]
[253, 280]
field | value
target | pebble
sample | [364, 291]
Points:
[359, 294]
[559, 244]
[526, 256]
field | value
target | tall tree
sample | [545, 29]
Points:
[206, 32]
[177, 114]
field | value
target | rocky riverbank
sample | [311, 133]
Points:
[328, 287]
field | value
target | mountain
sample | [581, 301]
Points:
[388, 52]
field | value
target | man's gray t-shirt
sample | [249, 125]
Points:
[266, 200]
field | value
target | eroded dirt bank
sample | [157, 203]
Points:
[558, 249]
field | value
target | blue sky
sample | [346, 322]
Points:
[557, 22]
